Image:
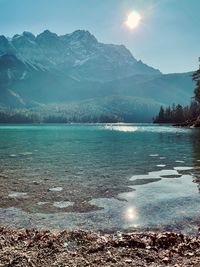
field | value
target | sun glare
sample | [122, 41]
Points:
[131, 213]
[133, 20]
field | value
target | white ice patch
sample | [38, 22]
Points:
[62, 204]
[155, 174]
[42, 203]
[17, 194]
[161, 165]
[56, 189]
[180, 161]
[161, 173]
[182, 168]
[141, 176]
[153, 155]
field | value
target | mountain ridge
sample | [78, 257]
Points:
[75, 67]
[72, 51]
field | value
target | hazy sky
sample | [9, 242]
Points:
[168, 37]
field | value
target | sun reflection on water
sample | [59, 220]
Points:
[131, 213]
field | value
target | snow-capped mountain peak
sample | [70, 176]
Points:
[78, 54]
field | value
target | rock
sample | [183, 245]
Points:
[36, 183]
[190, 254]
[84, 248]
[150, 258]
[128, 260]
[165, 260]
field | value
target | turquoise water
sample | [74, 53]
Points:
[100, 176]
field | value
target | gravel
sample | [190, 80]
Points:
[35, 248]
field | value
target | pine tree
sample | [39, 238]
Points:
[179, 113]
[161, 114]
[196, 78]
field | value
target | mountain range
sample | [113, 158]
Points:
[77, 74]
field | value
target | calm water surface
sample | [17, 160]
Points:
[102, 177]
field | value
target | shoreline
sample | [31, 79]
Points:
[192, 123]
[42, 248]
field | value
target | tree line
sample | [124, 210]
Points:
[178, 113]
[27, 116]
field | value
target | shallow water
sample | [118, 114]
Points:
[100, 176]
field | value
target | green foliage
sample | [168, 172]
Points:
[26, 116]
[196, 78]
[16, 116]
[108, 109]
[177, 113]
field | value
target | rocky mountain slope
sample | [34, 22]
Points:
[49, 69]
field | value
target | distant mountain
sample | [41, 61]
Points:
[76, 69]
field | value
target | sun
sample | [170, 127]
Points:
[133, 20]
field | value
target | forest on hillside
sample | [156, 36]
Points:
[110, 109]
[180, 114]
[27, 116]
[98, 110]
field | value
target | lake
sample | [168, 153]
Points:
[100, 177]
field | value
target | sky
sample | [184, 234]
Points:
[167, 38]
